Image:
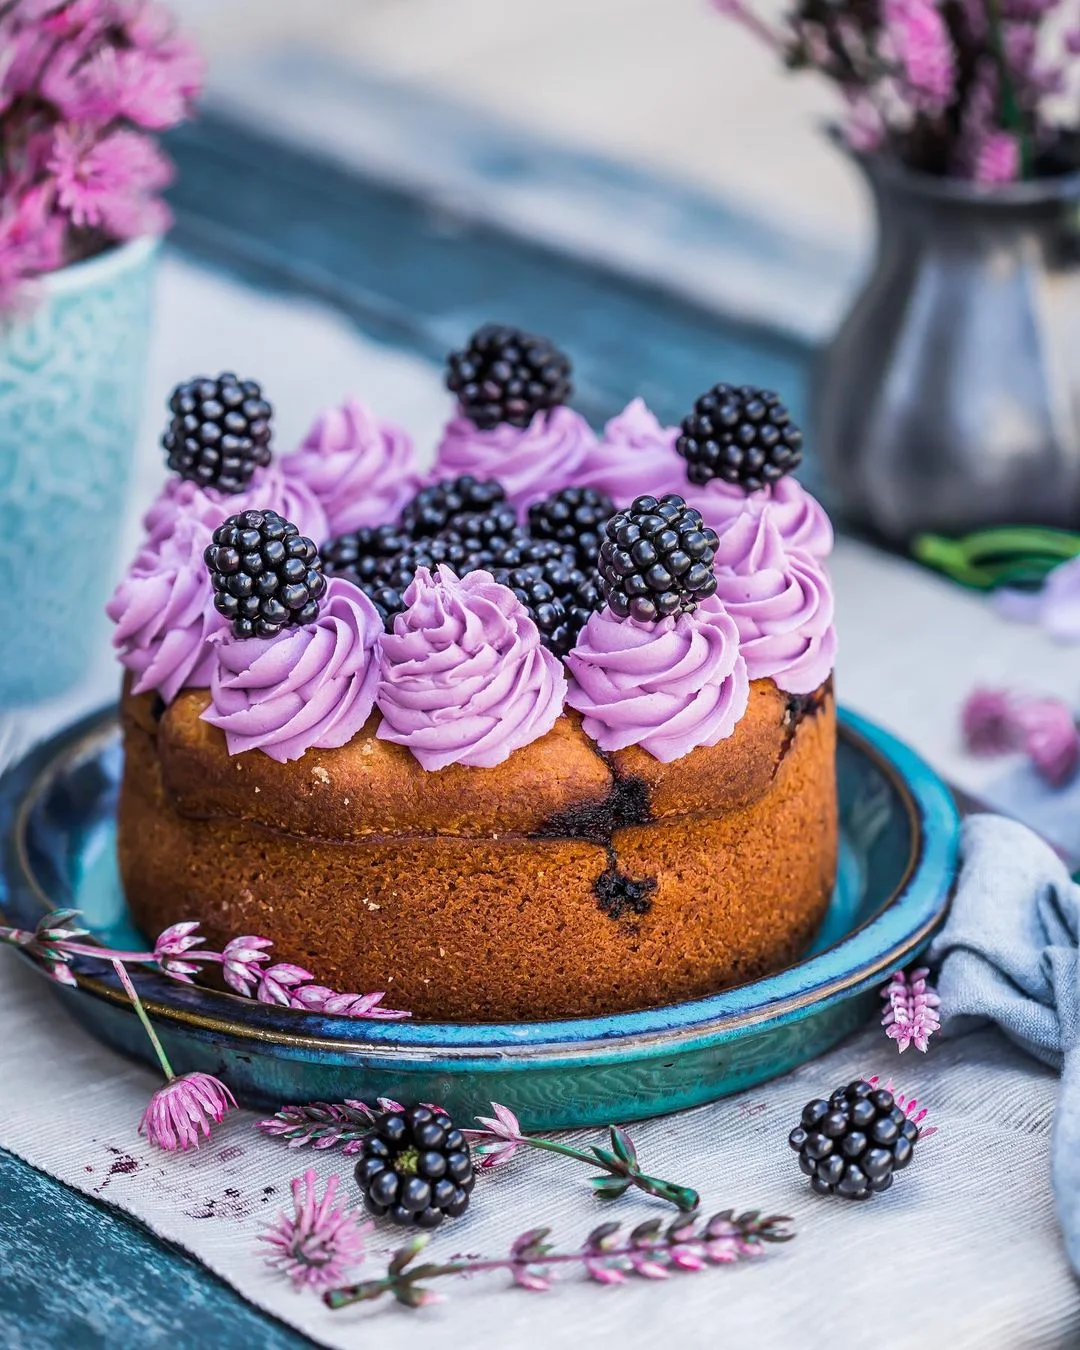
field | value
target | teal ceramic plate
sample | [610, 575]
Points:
[899, 830]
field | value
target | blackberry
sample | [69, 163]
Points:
[435, 507]
[486, 534]
[398, 572]
[741, 435]
[852, 1144]
[585, 599]
[416, 1168]
[266, 575]
[656, 559]
[574, 516]
[219, 433]
[545, 608]
[388, 601]
[505, 375]
[361, 554]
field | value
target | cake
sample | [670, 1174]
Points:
[546, 731]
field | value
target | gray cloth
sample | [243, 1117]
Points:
[1008, 955]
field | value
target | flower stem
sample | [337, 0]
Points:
[683, 1197]
[140, 1011]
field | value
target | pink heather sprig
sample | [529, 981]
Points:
[326, 1125]
[318, 1244]
[650, 1252]
[916, 32]
[179, 953]
[84, 85]
[911, 1015]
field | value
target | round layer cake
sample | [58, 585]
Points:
[558, 742]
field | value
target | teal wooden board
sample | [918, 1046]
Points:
[77, 1273]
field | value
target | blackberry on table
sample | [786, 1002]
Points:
[416, 1168]
[656, 559]
[438, 505]
[574, 516]
[852, 1144]
[740, 435]
[265, 574]
[505, 375]
[219, 433]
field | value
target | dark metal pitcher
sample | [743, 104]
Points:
[950, 397]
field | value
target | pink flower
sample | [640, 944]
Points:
[276, 982]
[170, 947]
[317, 998]
[321, 1241]
[103, 183]
[183, 1108]
[997, 159]
[924, 50]
[31, 240]
[1050, 739]
[911, 1017]
[129, 84]
[863, 127]
[240, 962]
[988, 723]
[499, 1140]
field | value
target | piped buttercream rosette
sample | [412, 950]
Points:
[464, 677]
[781, 601]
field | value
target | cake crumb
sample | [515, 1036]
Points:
[257, 788]
[367, 748]
[370, 904]
[442, 951]
[320, 773]
[346, 801]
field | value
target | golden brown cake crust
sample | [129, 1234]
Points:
[472, 894]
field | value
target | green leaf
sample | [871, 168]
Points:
[606, 1159]
[646, 1234]
[609, 1188]
[623, 1145]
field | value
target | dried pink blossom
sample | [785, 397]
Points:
[240, 962]
[183, 1108]
[321, 1241]
[911, 1017]
[1050, 739]
[277, 982]
[170, 949]
[988, 722]
[499, 1140]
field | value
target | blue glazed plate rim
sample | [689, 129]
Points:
[865, 956]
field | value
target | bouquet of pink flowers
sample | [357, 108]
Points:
[961, 88]
[82, 82]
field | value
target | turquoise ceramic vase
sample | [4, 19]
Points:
[71, 383]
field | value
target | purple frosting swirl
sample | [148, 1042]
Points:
[530, 462]
[164, 614]
[465, 679]
[361, 470]
[309, 688]
[668, 687]
[269, 490]
[798, 516]
[781, 601]
[635, 456]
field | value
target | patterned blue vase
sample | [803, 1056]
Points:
[71, 384]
